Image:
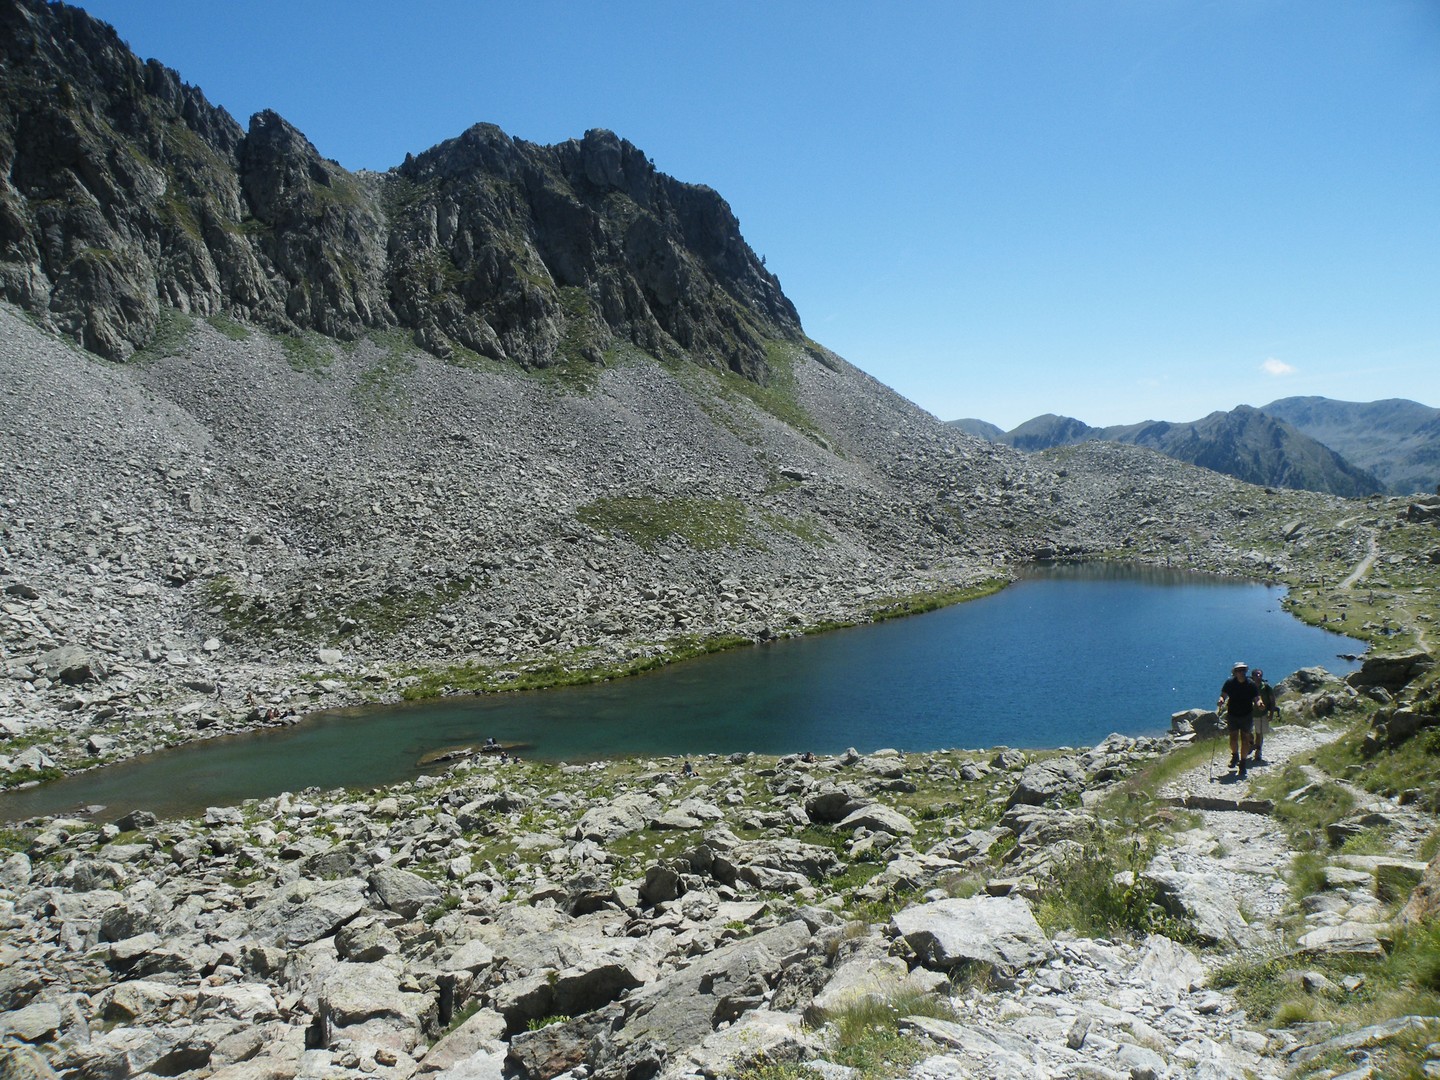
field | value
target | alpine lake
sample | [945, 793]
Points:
[1064, 656]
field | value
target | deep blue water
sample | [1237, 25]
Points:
[1065, 656]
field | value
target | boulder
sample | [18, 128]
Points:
[306, 911]
[834, 802]
[1424, 903]
[36, 1022]
[625, 814]
[687, 1005]
[1345, 939]
[1393, 671]
[479, 1034]
[1210, 908]
[402, 892]
[560, 1047]
[1166, 970]
[1198, 723]
[1046, 781]
[350, 995]
[759, 1037]
[72, 665]
[23, 1063]
[998, 930]
[877, 817]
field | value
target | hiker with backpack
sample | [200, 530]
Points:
[1238, 697]
[1266, 709]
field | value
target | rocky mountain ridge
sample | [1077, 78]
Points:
[124, 192]
[1245, 443]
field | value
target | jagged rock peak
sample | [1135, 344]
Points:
[124, 191]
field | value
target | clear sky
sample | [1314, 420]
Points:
[1117, 210]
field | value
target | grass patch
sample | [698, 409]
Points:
[765, 1069]
[542, 675]
[380, 386]
[547, 1021]
[172, 329]
[1304, 807]
[704, 524]
[865, 1035]
[1406, 982]
[310, 617]
[309, 353]
[1409, 767]
[230, 328]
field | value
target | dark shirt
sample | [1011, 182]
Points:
[1241, 694]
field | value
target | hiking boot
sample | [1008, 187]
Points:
[1234, 760]
[1242, 770]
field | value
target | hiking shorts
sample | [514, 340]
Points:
[1262, 725]
[1239, 723]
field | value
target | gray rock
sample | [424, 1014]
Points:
[23, 1063]
[351, 994]
[1046, 781]
[36, 1022]
[479, 1034]
[1198, 897]
[833, 803]
[404, 893]
[948, 934]
[1392, 671]
[682, 1008]
[306, 911]
[625, 814]
[72, 665]
[1346, 939]
[878, 817]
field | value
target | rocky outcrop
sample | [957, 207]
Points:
[124, 195]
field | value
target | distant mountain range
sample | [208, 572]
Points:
[1396, 439]
[1310, 443]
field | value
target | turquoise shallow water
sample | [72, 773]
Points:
[1062, 657]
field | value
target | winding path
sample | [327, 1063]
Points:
[1363, 566]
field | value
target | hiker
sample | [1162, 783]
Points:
[1238, 696]
[1266, 710]
[687, 770]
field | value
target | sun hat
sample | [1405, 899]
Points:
[1238, 665]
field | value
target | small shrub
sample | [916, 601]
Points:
[865, 1033]
[547, 1021]
[440, 910]
[1102, 891]
[765, 1069]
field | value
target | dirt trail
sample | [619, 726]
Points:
[1363, 566]
[1245, 852]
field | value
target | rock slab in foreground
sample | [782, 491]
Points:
[999, 930]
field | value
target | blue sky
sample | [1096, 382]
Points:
[1116, 210]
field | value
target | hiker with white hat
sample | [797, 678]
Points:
[1237, 697]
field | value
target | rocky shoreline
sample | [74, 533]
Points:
[624, 920]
